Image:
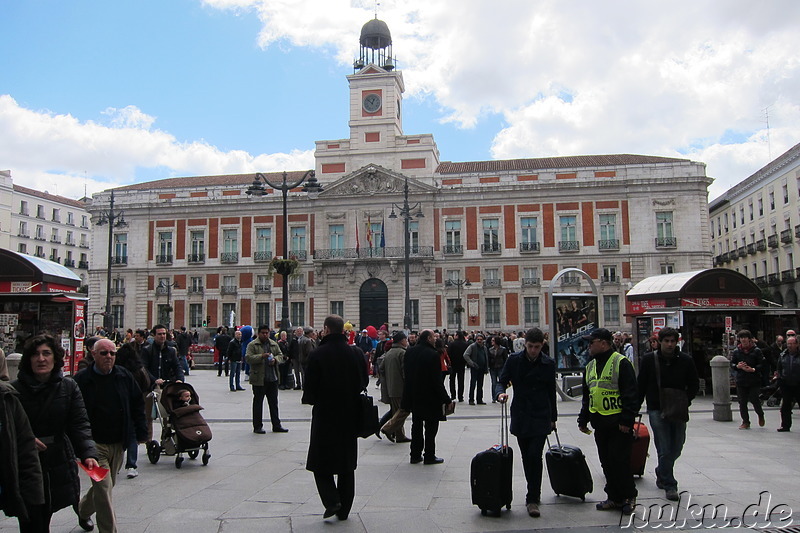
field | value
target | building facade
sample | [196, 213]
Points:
[755, 228]
[47, 226]
[197, 249]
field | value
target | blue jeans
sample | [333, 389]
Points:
[475, 382]
[497, 388]
[669, 438]
[233, 377]
[184, 364]
[132, 454]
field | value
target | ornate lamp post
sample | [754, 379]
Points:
[459, 309]
[114, 220]
[167, 287]
[405, 213]
[258, 189]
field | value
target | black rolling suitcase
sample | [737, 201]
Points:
[569, 474]
[491, 471]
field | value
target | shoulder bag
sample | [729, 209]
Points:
[674, 402]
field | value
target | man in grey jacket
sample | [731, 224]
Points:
[477, 358]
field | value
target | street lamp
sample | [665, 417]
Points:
[114, 220]
[405, 213]
[258, 189]
[458, 283]
[168, 288]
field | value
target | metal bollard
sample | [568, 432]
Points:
[721, 382]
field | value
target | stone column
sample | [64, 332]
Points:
[721, 381]
[12, 360]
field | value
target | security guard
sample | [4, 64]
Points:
[610, 403]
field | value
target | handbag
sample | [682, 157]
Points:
[674, 402]
[368, 420]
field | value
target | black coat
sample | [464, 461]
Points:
[755, 359]
[234, 353]
[533, 409]
[58, 418]
[334, 378]
[424, 392]
[163, 363]
[677, 372]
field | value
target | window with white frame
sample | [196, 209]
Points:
[336, 235]
[492, 312]
[491, 237]
[297, 313]
[569, 228]
[528, 226]
[667, 268]
[197, 244]
[664, 224]
[195, 315]
[262, 314]
[337, 307]
[530, 311]
[610, 274]
[611, 309]
[413, 236]
[452, 236]
[608, 227]
[165, 245]
[121, 246]
[298, 241]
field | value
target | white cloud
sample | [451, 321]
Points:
[95, 157]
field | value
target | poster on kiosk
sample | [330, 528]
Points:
[574, 315]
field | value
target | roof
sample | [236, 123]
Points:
[662, 284]
[776, 164]
[576, 161]
[232, 180]
[17, 266]
[48, 196]
[697, 283]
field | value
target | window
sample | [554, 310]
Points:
[70, 218]
[785, 194]
[23, 207]
[39, 251]
[298, 241]
[40, 211]
[733, 218]
[528, 239]
[493, 312]
[84, 221]
[760, 207]
[530, 276]
[195, 315]
[228, 284]
[771, 196]
[229, 314]
[22, 248]
[54, 235]
[163, 314]
[70, 238]
[120, 248]
[336, 235]
[230, 245]
[54, 255]
[491, 238]
[741, 214]
[297, 312]
[84, 241]
[262, 314]
[664, 228]
[415, 313]
[117, 316]
[56, 215]
[750, 208]
[39, 233]
[610, 274]
[608, 227]
[118, 286]
[197, 240]
[23, 229]
[569, 233]
[492, 273]
[337, 307]
[196, 284]
[164, 247]
[667, 268]
[413, 236]
[611, 309]
[530, 311]
[452, 229]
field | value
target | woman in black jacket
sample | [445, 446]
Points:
[55, 408]
[128, 358]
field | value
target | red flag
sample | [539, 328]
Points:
[357, 245]
[369, 232]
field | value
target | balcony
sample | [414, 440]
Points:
[55, 240]
[196, 290]
[24, 212]
[761, 281]
[262, 289]
[40, 214]
[724, 258]
[39, 255]
[119, 260]
[39, 237]
[751, 248]
[70, 242]
[69, 263]
[84, 244]
[117, 291]
[83, 264]
[773, 278]
[786, 236]
[55, 259]
[530, 282]
[569, 246]
[297, 286]
[787, 275]
[388, 252]
[196, 258]
[666, 242]
[742, 251]
[229, 257]
[491, 283]
[24, 235]
[570, 281]
[609, 280]
[608, 244]
[262, 257]
[228, 289]
[453, 249]
[300, 255]
[772, 241]
[529, 247]
[164, 259]
[761, 245]
[490, 248]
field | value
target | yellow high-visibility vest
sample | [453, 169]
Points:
[604, 396]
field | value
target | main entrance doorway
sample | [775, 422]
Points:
[373, 303]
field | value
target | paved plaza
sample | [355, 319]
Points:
[259, 482]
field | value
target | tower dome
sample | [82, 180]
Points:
[376, 46]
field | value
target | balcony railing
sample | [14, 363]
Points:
[742, 251]
[787, 275]
[666, 242]
[530, 282]
[529, 247]
[260, 289]
[70, 242]
[388, 252]
[569, 246]
[262, 257]
[453, 249]
[786, 236]
[300, 255]
[55, 259]
[163, 259]
[197, 289]
[39, 254]
[773, 278]
[24, 212]
[761, 245]
[196, 258]
[162, 291]
[228, 289]
[570, 281]
[39, 237]
[491, 283]
[119, 260]
[608, 244]
[24, 234]
[761, 280]
[772, 241]
[229, 257]
[55, 240]
[610, 280]
[751, 248]
[724, 258]
[83, 264]
[491, 248]
[297, 286]
[84, 244]
[69, 262]
[117, 291]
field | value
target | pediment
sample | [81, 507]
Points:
[374, 180]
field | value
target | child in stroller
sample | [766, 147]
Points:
[183, 428]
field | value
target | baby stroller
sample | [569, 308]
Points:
[771, 394]
[183, 429]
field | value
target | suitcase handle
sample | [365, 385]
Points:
[504, 425]
[558, 441]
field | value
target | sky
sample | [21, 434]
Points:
[96, 94]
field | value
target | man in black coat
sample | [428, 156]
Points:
[334, 378]
[458, 366]
[424, 395]
[160, 359]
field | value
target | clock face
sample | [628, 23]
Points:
[372, 102]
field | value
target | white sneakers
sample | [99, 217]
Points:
[132, 473]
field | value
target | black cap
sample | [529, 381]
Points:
[599, 333]
[398, 336]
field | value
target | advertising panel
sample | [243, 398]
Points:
[575, 316]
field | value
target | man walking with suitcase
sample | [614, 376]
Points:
[533, 409]
[610, 403]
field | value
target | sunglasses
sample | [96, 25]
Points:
[106, 352]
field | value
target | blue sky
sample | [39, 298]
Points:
[97, 93]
